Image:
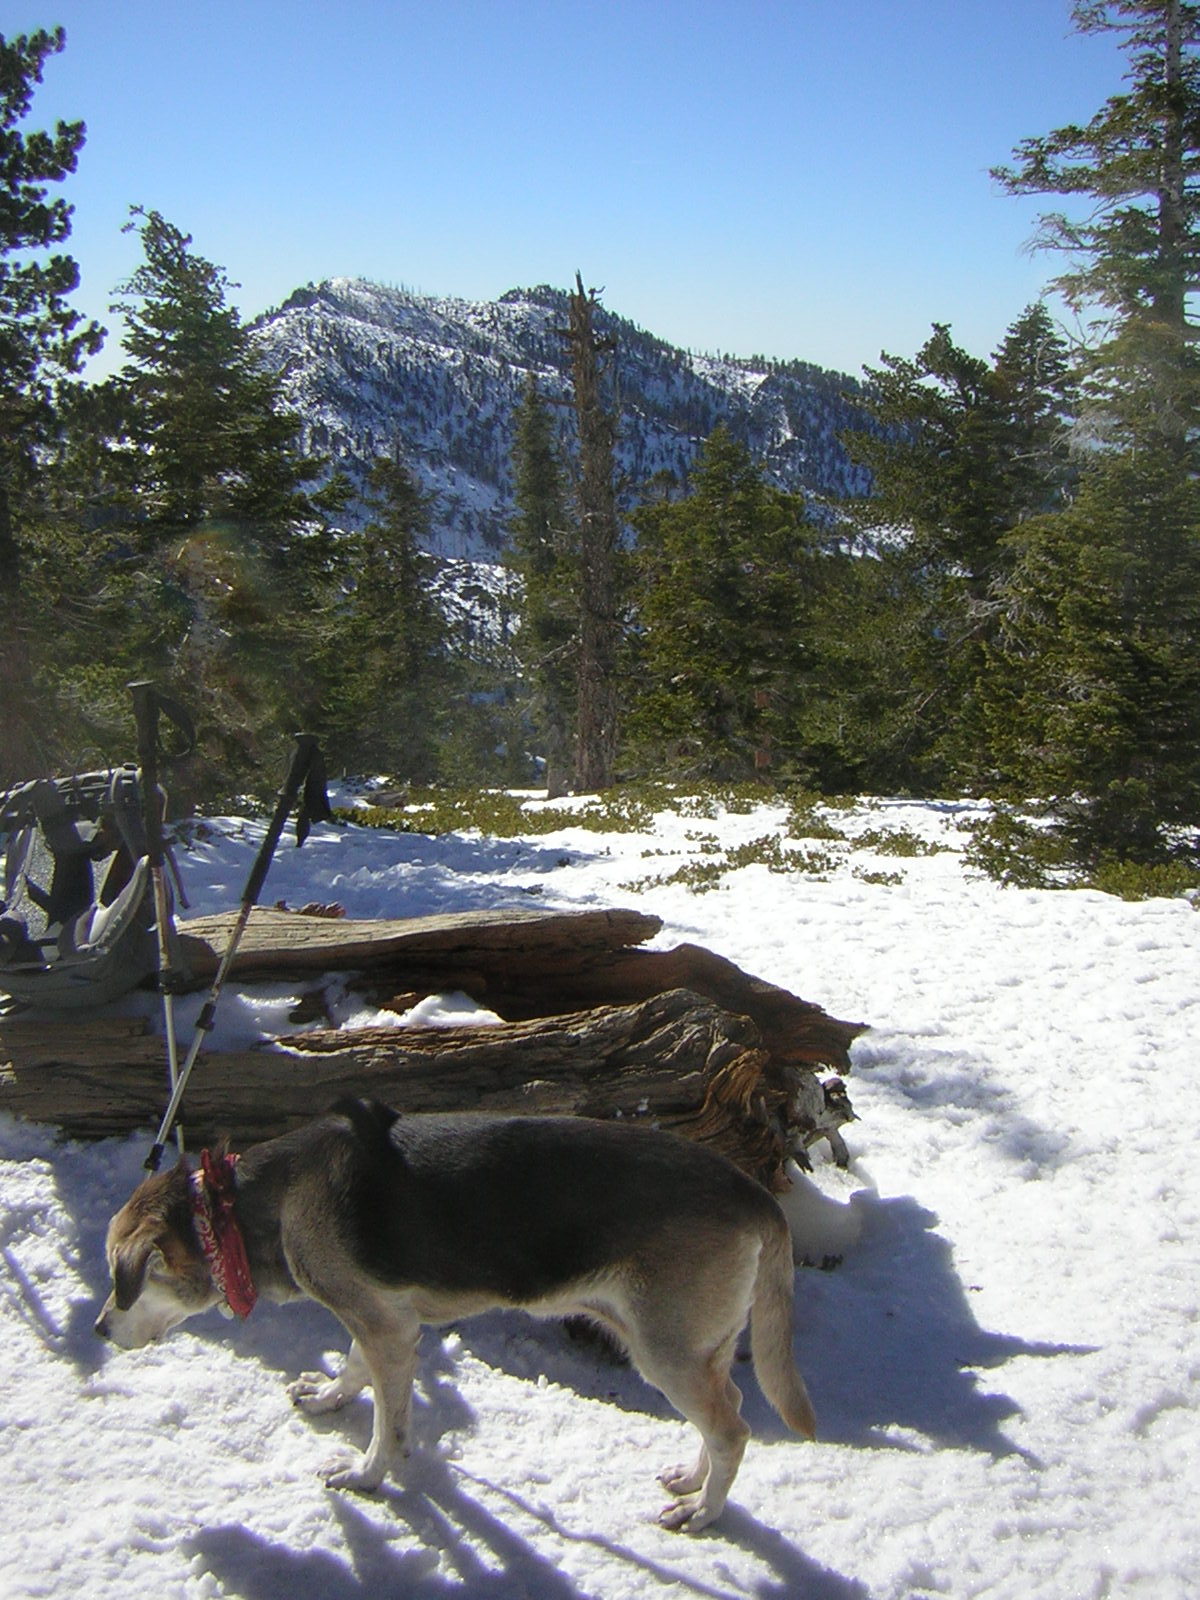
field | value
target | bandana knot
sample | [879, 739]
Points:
[220, 1236]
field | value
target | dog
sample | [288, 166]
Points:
[398, 1221]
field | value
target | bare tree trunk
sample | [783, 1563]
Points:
[596, 724]
[23, 753]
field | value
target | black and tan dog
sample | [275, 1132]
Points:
[394, 1221]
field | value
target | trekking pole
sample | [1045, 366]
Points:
[148, 703]
[306, 771]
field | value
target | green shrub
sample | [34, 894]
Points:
[1017, 850]
[1140, 880]
[806, 821]
[897, 842]
[890, 880]
[502, 815]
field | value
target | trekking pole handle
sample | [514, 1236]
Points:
[302, 759]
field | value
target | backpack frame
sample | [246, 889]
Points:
[77, 923]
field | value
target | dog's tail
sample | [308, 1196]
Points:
[771, 1333]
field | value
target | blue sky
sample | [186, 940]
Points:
[797, 178]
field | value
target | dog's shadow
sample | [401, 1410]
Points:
[888, 1342]
[890, 1345]
[465, 1552]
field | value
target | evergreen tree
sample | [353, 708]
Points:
[1037, 393]
[383, 667]
[42, 343]
[724, 596]
[1097, 692]
[963, 451]
[600, 626]
[41, 339]
[207, 438]
[545, 555]
[1134, 248]
[181, 487]
[1094, 688]
[210, 484]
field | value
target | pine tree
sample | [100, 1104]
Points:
[382, 667]
[42, 344]
[964, 448]
[1036, 389]
[41, 337]
[724, 595]
[545, 555]
[1098, 696]
[226, 548]
[963, 451]
[599, 537]
[1134, 248]
[207, 438]
[1094, 687]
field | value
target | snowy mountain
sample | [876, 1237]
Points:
[372, 369]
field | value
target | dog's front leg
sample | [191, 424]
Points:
[389, 1353]
[315, 1392]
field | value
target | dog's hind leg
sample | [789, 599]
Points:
[700, 1387]
[315, 1392]
[387, 1347]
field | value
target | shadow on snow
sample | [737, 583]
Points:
[467, 1552]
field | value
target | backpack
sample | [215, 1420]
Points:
[77, 924]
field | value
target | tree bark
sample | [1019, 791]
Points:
[591, 1027]
[280, 943]
[675, 1060]
[520, 965]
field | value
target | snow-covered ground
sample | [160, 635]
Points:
[1005, 1367]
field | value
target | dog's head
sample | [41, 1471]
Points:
[159, 1275]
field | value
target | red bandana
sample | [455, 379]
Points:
[220, 1237]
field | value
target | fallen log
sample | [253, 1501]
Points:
[283, 944]
[676, 1060]
[591, 1027]
[520, 965]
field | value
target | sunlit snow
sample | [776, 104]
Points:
[1005, 1366]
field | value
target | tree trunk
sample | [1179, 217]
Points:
[596, 724]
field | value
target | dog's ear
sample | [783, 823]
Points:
[129, 1269]
[371, 1120]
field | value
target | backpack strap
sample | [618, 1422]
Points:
[71, 881]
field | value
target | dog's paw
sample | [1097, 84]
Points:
[352, 1472]
[688, 1514]
[681, 1480]
[316, 1392]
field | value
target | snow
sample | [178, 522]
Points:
[1005, 1366]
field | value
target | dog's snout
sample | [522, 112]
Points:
[102, 1326]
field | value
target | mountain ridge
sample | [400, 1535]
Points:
[372, 370]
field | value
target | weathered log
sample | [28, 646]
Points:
[521, 965]
[675, 1058]
[591, 1027]
[281, 944]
